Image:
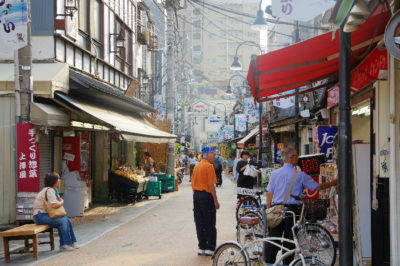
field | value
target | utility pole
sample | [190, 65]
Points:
[296, 99]
[23, 92]
[170, 7]
[345, 155]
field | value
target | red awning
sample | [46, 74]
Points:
[309, 61]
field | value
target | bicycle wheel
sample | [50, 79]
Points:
[246, 205]
[247, 234]
[315, 241]
[230, 254]
[308, 261]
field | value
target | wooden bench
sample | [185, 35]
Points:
[26, 232]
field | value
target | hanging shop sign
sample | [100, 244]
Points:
[223, 150]
[251, 110]
[324, 138]
[391, 39]
[302, 10]
[28, 168]
[373, 66]
[229, 131]
[13, 24]
[277, 152]
[240, 123]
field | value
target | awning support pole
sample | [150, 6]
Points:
[296, 101]
[345, 156]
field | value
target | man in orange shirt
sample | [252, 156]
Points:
[205, 202]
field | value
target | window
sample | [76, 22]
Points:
[212, 73]
[197, 11]
[196, 36]
[212, 60]
[83, 10]
[197, 23]
[117, 31]
[196, 48]
[211, 35]
[97, 20]
[222, 59]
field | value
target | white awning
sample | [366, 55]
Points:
[133, 127]
[48, 115]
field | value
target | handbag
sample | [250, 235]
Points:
[275, 213]
[53, 213]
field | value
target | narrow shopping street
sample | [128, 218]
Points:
[165, 235]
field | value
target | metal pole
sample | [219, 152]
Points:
[260, 131]
[345, 156]
[296, 99]
[170, 83]
[25, 68]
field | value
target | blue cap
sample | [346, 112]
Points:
[206, 150]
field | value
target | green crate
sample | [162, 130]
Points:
[168, 186]
[153, 189]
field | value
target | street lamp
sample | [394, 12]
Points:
[260, 23]
[215, 112]
[228, 89]
[236, 66]
[120, 41]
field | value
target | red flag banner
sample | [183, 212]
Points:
[28, 174]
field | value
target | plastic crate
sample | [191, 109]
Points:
[168, 186]
[154, 189]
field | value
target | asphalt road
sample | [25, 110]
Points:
[164, 235]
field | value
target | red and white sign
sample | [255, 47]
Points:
[71, 153]
[366, 72]
[28, 169]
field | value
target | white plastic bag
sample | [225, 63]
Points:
[250, 171]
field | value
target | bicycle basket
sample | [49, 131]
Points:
[315, 209]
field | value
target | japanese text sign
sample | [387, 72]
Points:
[28, 174]
[302, 10]
[326, 138]
[13, 23]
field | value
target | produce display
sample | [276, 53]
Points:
[131, 174]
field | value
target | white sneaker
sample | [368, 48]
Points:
[208, 252]
[74, 246]
[201, 252]
[66, 248]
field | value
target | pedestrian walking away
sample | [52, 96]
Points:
[218, 167]
[41, 217]
[244, 181]
[205, 202]
[277, 188]
[193, 161]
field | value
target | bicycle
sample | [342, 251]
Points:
[233, 253]
[247, 198]
[314, 240]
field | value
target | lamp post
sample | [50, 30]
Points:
[236, 66]
[229, 88]
[214, 113]
[260, 23]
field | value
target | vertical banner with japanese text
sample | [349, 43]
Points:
[28, 174]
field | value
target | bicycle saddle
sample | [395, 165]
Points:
[249, 220]
[258, 193]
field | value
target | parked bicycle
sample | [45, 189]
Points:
[247, 199]
[314, 240]
[233, 253]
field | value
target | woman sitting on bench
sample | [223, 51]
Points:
[40, 216]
